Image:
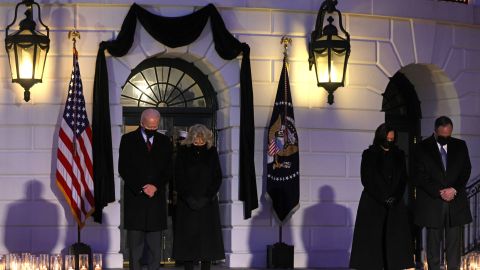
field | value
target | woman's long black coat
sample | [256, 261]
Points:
[198, 234]
[382, 233]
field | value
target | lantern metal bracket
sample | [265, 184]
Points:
[28, 13]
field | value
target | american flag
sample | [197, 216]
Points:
[74, 155]
[273, 148]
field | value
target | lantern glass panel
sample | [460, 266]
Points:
[332, 74]
[330, 48]
[321, 66]
[11, 55]
[25, 60]
[40, 61]
[338, 62]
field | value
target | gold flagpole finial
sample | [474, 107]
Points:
[286, 41]
[73, 34]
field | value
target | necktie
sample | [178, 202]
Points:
[149, 144]
[443, 153]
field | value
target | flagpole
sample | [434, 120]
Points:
[73, 35]
[78, 247]
[282, 168]
[285, 41]
[78, 233]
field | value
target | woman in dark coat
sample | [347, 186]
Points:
[198, 234]
[381, 238]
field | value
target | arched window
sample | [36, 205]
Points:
[176, 88]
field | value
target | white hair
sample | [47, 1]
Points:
[149, 113]
[199, 130]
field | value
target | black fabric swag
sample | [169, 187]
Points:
[172, 32]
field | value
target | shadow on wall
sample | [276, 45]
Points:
[330, 224]
[31, 223]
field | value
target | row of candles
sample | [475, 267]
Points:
[471, 261]
[27, 261]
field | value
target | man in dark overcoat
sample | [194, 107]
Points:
[145, 167]
[442, 171]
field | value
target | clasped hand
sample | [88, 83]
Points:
[448, 194]
[149, 190]
[390, 201]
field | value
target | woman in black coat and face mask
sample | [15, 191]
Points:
[381, 238]
[198, 232]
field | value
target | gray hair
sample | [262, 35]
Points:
[199, 130]
[150, 112]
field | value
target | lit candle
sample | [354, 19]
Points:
[13, 265]
[83, 267]
[97, 261]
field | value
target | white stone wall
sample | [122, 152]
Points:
[438, 51]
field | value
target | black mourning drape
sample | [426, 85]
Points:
[173, 32]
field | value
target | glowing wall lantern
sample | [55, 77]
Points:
[27, 49]
[328, 51]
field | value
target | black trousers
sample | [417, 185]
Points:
[205, 265]
[452, 243]
[137, 242]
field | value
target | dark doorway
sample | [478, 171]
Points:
[403, 112]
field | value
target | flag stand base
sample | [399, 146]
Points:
[80, 248]
[280, 255]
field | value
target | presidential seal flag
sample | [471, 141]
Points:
[283, 178]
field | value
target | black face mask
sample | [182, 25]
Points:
[442, 140]
[388, 144]
[150, 132]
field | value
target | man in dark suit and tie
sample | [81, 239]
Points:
[145, 167]
[442, 171]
